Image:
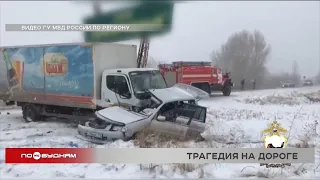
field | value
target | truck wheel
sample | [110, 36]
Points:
[226, 91]
[30, 114]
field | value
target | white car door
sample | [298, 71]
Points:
[197, 124]
[169, 128]
[188, 121]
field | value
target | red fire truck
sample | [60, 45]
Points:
[199, 74]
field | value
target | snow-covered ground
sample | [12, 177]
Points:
[234, 121]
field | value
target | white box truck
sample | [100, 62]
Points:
[74, 80]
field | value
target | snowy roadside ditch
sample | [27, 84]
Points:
[232, 123]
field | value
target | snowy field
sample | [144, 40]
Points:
[234, 121]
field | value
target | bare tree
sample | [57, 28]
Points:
[244, 55]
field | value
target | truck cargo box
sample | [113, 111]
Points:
[60, 74]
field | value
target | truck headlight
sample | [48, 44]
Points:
[124, 129]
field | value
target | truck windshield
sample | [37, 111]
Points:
[144, 80]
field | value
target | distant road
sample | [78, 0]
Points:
[303, 87]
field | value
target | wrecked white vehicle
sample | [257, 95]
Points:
[172, 111]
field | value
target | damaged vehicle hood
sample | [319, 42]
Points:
[120, 115]
[171, 94]
[179, 92]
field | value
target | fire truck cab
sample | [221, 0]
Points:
[198, 74]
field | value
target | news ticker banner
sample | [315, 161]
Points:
[85, 27]
[160, 155]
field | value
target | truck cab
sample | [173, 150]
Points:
[129, 87]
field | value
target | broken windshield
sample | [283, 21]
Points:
[144, 80]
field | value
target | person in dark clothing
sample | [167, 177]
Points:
[254, 84]
[242, 84]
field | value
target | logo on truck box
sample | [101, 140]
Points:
[54, 64]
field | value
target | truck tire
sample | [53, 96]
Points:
[226, 90]
[29, 113]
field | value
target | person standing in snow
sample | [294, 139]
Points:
[242, 84]
[254, 84]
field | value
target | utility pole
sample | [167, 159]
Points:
[96, 7]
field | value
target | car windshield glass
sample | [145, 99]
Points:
[144, 80]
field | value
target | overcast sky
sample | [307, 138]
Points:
[291, 28]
